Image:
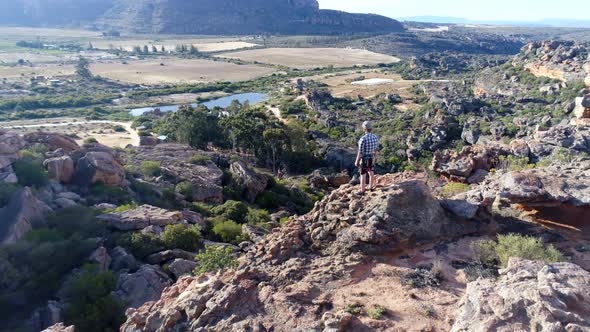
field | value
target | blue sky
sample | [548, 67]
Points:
[505, 10]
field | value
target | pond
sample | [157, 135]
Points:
[223, 102]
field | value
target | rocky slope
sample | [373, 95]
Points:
[198, 17]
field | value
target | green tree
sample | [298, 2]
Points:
[196, 127]
[277, 142]
[83, 68]
[185, 237]
[232, 210]
[215, 259]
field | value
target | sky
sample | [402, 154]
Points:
[504, 10]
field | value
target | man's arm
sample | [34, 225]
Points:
[357, 163]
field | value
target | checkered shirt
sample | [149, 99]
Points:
[368, 144]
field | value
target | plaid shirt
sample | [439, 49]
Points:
[368, 145]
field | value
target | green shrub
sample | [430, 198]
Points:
[30, 173]
[141, 245]
[201, 208]
[514, 164]
[513, 245]
[227, 230]
[150, 168]
[6, 192]
[77, 222]
[354, 309]
[232, 210]
[215, 259]
[185, 237]
[376, 312]
[119, 129]
[186, 189]
[454, 188]
[92, 307]
[200, 159]
[90, 140]
[257, 217]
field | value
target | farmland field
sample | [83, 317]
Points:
[174, 71]
[202, 44]
[40, 70]
[306, 58]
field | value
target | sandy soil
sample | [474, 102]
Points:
[176, 71]
[38, 70]
[102, 131]
[312, 57]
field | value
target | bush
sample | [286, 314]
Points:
[257, 217]
[227, 230]
[185, 237]
[150, 168]
[232, 210]
[141, 245]
[30, 173]
[200, 159]
[454, 188]
[6, 192]
[215, 259]
[377, 312]
[90, 140]
[513, 245]
[186, 189]
[92, 306]
[514, 164]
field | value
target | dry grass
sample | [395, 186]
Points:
[41, 70]
[176, 71]
[305, 58]
[44, 32]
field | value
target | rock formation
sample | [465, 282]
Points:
[283, 281]
[142, 286]
[142, 217]
[99, 167]
[23, 213]
[561, 60]
[53, 141]
[10, 145]
[528, 295]
[250, 182]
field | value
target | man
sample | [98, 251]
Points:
[367, 156]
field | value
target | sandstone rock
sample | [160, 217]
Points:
[63, 203]
[53, 141]
[250, 182]
[168, 255]
[142, 286]
[46, 316]
[23, 213]
[60, 328]
[180, 267]
[520, 148]
[10, 145]
[99, 167]
[548, 297]
[582, 109]
[148, 141]
[254, 233]
[122, 260]
[478, 176]
[101, 257]
[141, 218]
[461, 207]
[327, 178]
[460, 166]
[60, 169]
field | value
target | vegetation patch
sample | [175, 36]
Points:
[490, 252]
[215, 259]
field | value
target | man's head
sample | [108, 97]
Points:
[367, 126]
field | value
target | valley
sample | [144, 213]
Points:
[201, 177]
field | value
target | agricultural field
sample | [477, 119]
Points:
[202, 44]
[177, 71]
[26, 72]
[112, 134]
[306, 58]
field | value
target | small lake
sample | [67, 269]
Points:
[223, 102]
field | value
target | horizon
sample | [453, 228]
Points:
[522, 11]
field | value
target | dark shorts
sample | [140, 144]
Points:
[367, 166]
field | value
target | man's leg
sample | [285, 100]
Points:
[363, 182]
[372, 180]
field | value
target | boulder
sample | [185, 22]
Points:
[582, 109]
[142, 217]
[60, 168]
[459, 166]
[251, 183]
[99, 167]
[122, 260]
[48, 315]
[148, 141]
[52, 141]
[327, 178]
[142, 286]
[101, 258]
[587, 69]
[254, 233]
[168, 255]
[60, 328]
[180, 267]
[520, 148]
[23, 213]
[528, 295]
[10, 145]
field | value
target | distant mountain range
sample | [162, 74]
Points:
[194, 16]
[564, 23]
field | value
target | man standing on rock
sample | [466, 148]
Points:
[367, 155]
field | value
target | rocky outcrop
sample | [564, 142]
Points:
[52, 141]
[561, 60]
[180, 267]
[142, 217]
[548, 297]
[99, 167]
[284, 281]
[582, 110]
[142, 286]
[176, 167]
[10, 145]
[23, 213]
[251, 183]
[463, 166]
[60, 327]
[60, 168]
[327, 178]
[587, 70]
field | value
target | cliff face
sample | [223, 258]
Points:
[197, 17]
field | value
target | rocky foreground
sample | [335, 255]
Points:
[353, 250]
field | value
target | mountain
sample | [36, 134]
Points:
[549, 22]
[195, 17]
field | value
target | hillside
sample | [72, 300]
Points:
[195, 17]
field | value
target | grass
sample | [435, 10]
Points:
[513, 245]
[377, 312]
[354, 309]
[454, 188]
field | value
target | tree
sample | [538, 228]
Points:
[137, 49]
[163, 49]
[146, 50]
[154, 49]
[90, 46]
[276, 141]
[193, 50]
[82, 68]
[196, 127]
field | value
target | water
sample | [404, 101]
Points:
[223, 102]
